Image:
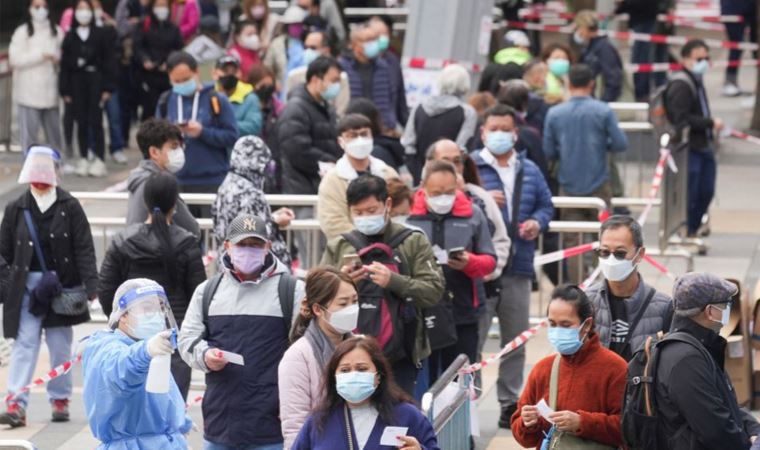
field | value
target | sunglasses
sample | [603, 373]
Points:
[618, 254]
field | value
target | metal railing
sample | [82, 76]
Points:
[447, 406]
[201, 199]
[16, 444]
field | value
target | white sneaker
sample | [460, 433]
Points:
[119, 157]
[90, 155]
[82, 168]
[68, 169]
[731, 90]
[98, 168]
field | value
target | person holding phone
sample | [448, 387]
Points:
[459, 230]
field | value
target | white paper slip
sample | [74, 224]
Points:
[544, 410]
[390, 433]
[440, 255]
[233, 358]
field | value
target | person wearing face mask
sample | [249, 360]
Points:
[246, 309]
[155, 38]
[695, 401]
[241, 192]
[328, 315]
[244, 101]
[361, 398]
[246, 46]
[286, 51]
[34, 51]
[355, 137]
[63, 257]
[525, 201]
[688, 106]
[415, 284]
[162, 147]
[451, 221]
[587, 379]
[186, 15]
[581, 135]
[257, 11]
[160, 250]
[87, 78]
[627, 310]
[599, 54]
[383, 26]
[558, 58]
[370, 76]
[116, 363]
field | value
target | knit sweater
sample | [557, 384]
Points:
[591, 383]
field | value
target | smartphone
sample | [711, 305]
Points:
[352, 260]
[456, 253]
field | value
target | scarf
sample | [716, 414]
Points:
[320, 343]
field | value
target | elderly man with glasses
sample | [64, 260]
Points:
[626, 309]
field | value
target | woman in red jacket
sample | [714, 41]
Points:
[591, 381]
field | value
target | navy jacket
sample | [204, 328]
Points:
[206, 157]
[742, 7]
[605, 61]
[384, 93]
[535, 202]
[334, 436]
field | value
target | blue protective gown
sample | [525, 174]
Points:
[121, 413]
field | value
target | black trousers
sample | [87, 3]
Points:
[405, 374]
[467, 343]
[88, 114]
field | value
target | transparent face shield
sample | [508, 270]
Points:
[148, 312]
[41, 165]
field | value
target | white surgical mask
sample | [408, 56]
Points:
[45, 200]
[38, 14]
[359, 148]
[251, 42]
[344, 320]
[83, 16]
[725, 315]
[441, 204]
[161, 13]
[617, 270]
[176, 160]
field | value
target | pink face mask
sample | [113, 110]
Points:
[248, 260]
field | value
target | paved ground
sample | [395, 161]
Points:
[734, 251]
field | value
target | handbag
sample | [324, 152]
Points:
[562, 440]
[64, 301]
[439, 322]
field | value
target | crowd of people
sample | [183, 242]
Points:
[431, 217]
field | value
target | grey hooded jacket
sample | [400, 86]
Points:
[656, 318]
[137, 212]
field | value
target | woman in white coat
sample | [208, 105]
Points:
[33, 55]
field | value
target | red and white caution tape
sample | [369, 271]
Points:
[659, 173]
[52, 374]
[631, 36]
[660, 268]
[587, 282]
[433, 63]
[741, 135]
[566, 253]
[194, 401]
[514, 344]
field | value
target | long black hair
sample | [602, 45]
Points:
[74, 22]
[30, 22]
[160, 196]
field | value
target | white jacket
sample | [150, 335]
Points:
[35, 79]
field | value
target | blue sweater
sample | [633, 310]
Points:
[334, 435]
[535, 202]
[384, 93]
[579, 133]
[206, 157]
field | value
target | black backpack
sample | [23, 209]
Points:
[641, 426]
[286, 290]
[658, 109]
[392, 320]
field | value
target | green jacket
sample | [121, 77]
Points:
[516, 55]
[424, 283]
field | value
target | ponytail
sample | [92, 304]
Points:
[160, 196]
[322, 285]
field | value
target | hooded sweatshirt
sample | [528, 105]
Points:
[137, 211]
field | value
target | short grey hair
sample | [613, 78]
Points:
[432, 148]
[688, 313]
[618, 221]
[454, 80]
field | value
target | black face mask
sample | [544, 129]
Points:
[265, 92]
[228, 82]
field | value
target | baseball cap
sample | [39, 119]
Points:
[227, 60]
[247, 226]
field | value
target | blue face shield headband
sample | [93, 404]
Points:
[136, 294]
[42, 150]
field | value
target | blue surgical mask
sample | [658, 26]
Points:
[371, 49]
[700, 67]
[331, 92]
[186, 88]
[148, 325]
[355, 387]
[383, 41]
[559, 67]
[500, 142]
[578, 38]
[370, 225]
[309, 55]
[567, 341]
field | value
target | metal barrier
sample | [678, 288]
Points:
[16, 444]
[447, 406]
[201, 199]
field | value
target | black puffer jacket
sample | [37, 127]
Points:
[306, 135]
[95, 57]
[72, 257]
[136, 253]
[695, 398]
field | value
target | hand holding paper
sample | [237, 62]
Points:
[544, 410]
[390, 436]
[233, 358]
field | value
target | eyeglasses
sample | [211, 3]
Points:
[618, 254]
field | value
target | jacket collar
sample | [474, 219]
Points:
[713, 342]
[241, 92]
[345, 170]
[462, 205]
[590, 346]
[481, 158]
